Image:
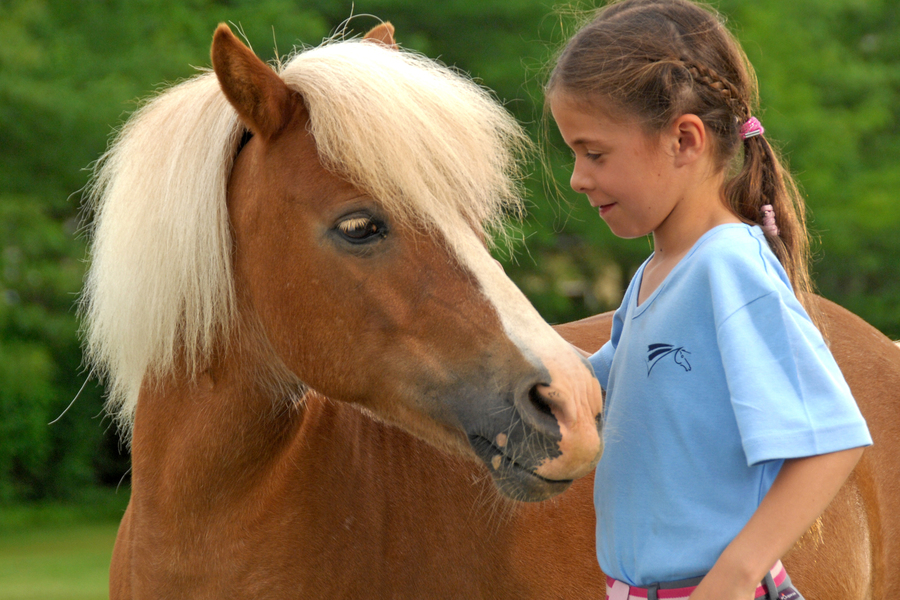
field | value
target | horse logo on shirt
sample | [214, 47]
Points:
[657, 352]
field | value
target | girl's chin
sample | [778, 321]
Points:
[624, 230]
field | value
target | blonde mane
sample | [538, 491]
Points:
[426, 142]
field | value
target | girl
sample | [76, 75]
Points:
[728, 426]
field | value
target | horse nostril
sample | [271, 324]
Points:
[538, 401]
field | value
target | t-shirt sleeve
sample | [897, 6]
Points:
[601, 360]
[789, 396]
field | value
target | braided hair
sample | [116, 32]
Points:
[659, 59]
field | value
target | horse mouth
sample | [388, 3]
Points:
[514, 480]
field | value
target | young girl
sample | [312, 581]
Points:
[728, 426]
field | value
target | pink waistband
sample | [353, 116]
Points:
[618, 590]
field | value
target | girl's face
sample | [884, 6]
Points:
[626, 174]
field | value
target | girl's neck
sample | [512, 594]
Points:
[691, 217]
[699, 210]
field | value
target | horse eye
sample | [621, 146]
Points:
[361, 229]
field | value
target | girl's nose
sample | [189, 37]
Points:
[579, 182]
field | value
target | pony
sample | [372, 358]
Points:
[330, 389]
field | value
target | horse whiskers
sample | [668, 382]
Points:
[498, 509]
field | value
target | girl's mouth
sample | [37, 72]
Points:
[605, 208]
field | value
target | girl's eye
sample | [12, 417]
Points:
[360, 229]
[592, 156]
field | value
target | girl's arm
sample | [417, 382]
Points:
[800, 493]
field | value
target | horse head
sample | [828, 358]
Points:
[352, 258]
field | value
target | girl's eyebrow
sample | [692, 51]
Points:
[584, 141]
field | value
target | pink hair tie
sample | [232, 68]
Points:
[751, 128]
[768, 221]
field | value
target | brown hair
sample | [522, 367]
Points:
[659, 59]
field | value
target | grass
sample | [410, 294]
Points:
[59, 551]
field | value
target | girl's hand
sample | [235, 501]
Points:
[716, 587]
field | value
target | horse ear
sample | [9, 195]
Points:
[382, 34]
[263, 101]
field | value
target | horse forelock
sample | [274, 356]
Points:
[424, 141]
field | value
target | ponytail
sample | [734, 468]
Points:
[762, 185]
[763, 181]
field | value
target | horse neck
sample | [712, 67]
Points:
[211, 432]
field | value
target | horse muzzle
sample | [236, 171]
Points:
[537, 446]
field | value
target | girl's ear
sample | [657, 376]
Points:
[689, 139]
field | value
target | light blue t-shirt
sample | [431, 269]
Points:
[711, 382]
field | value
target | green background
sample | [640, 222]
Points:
[71, 71]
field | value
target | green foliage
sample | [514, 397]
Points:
[70, 72]
[39, 355]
